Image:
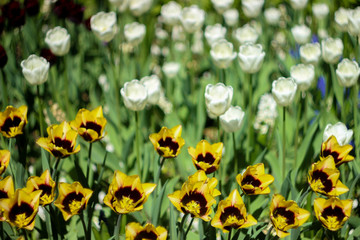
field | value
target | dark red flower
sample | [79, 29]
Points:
[48, 55]
[14, 14]
[3, 57]
[32, 7]
[76, 13]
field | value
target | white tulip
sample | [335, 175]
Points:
[134, 32]
[192, 18]
[298, 4]
[104, 25]
[138, 7]
[171, 12]
[310, 53]
[251, 57]
[217, 99]
[222, 53]
[272, 15]
[232, 119]
[35, 69]
[58, 40]
[117, 3]
[341, 18]
[347, 72]
[303, 75]
[134, 95]
[153, 86]
[214, 33]
[320, 10]
[246, 34]
[332, 49]
[222, 5]
[339, 131]
[198, 45]
[354, 22]
[252, 8]
[231, 17]
[283, 91]
[301, 34]
[171, 69]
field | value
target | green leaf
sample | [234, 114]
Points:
[173, 233]
[352, 187]
[44, 160]
[157, 206]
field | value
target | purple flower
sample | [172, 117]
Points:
[321, 85]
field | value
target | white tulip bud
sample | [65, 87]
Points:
[283, 91]
[252, 8]
[320, 10]
[171, 12]
[138, 7]
[246, 34]
[232, 119]
[272, 15]
[222, 53]
[354, 22]
[58, 40]
[214, 33]
[310, 53]
[339, 131]
[231, 17]
[104, 25]
[332, 49]
[134, 95]
[35, 69]
[222, 5]
[298, 4]
[341, 18]
[217, 99]
[134, 33]
[153, 86]
[192, 18]
[171, 69]
[347, 72]
[251, 57]
[301, 34]
[303, 75]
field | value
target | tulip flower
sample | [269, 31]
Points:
[231, 17]
[353, 25]
[320, 10]
[332, 212]
[222, 5]
[44, 183]
[171, 12]
[231, 214]
[35, 69]
[134, 94]
[134, 231]
[301, 34]
[13, 121]
[340, 131]
[285, 215]
[4, 160]
[192, 18]
[310, 53]
[303, 75]
[205, 156]
[222, 53]
[127, 194]
[153, 86]
[168, 142]
[348, 72]
[246, 34]
[252, 8]
[58, 40]
[171, 69]
[341, 18]
[214, 33]
[218, 99]
[324, 178]
[251, 57]
[72, 199]
[104, 25]
[138, 7]
[272, 15]
[298, 4]
[134, 33]
[332, 49]
[283, 90]
[331, 147]
[231, 120]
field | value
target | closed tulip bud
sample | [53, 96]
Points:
[222, 5]
[231, 120]
[170, 13]
[347, 72]
[192, 18]
[283, 90]
[104, 25]
[340, 131]
[171, 69]
[153, 86]
[252, 8]
[58, 40]
[214, 33]
[310, 53]
[301, 34]
[246, 34]
[332, 49]
[303, 75]
[341, 18]
[251, 57]
[218, 99]
[231, 17]
[134, 33]
[134, 95]
[354, 22]
[298, 4]
[138, 7]
[320, 10]
[35, 69]
[272, 15]
[222, 53]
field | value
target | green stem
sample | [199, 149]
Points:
[4, 88]
[248, 150]
[55, 169]
[356, 125]
[188, 229]
[117, 228]
[218, 128]
[48, 223]
[66, 86]
[138, 159]
[41, 117]
[25, 234]
[83, 224]
[158, 173]
[88, 165]
[12, 162]
[235, 157]
[181, 227]
[283, 146]
[229, 235]
[297, 129]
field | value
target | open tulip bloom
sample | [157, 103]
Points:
[135, 231]
[127, 194]
[231, 213]
[205, 156]
[168, 142]
[6, 191]
[340, 154]
[4, 160]
[13, 121]
[44, 183]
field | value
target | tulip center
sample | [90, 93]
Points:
[3, 194]
[75, 206]
[231, 217]
[333, 213]
[146, 235]
[283, 217]
[73, 202]
[250, 180]
[321, 181]
[168, 143]
[195, 202]
[93, 126]
[208, 158]
[19, 214]
[46, 196]
[335, 155]
[21, 220]
[10, 123]
[193, 207]
[126, 203]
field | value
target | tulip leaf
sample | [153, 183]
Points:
[173, 233]
[157, 206]
[353, 185]
[44, 160]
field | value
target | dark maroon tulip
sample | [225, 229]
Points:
[32, 7]
[3, 57]
[14, 14]
[48, 55]
[76, 14]
[87, 24]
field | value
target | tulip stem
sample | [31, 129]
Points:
[229, 235]
[54, 174]
[117, 228]
[25, 234]
[158, 173]
[83, 224]
[235, 158]
[41, 117]
[188, 229]
[66, 86]
[218, 128]
[12, 162]
[283, 146]
[88, 165]
[181, 227]
[248, 150]
[297, 129]
[356, 130]
[138, 142]
[48, 223]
